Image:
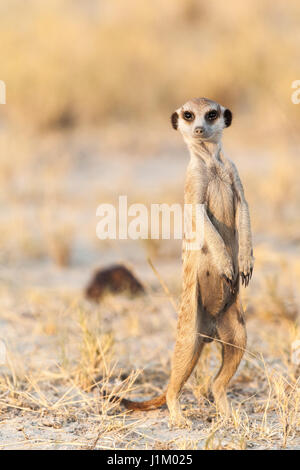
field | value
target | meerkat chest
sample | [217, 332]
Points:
[220, 195]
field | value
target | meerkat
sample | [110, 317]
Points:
[210, 303]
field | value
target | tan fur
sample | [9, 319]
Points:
[210, 306]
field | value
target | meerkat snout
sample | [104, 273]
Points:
[199, 130]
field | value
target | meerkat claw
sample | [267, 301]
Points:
[246, 278]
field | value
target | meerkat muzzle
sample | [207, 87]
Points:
[199, 130]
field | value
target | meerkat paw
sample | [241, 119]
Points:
[223, 407]
[246, 264]
[227, 272]
[179, 421]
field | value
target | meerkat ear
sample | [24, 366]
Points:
[174, 120]
[227, 117]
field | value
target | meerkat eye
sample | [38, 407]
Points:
[188, 115]
[211, 115]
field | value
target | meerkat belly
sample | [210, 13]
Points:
[214, 294]
[221, 209]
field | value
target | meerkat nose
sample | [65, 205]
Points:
[199, 130]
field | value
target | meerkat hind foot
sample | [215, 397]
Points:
[177, 420]
[223, 407]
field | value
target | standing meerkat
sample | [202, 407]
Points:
[210, 304]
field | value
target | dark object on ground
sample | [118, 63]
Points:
[116, 279]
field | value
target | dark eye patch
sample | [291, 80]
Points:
[188, 115]
[174, 120]
[227, 117]
[211, 115]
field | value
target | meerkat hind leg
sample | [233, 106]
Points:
[231, 329]
[188, 348]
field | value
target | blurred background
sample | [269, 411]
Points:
[90, 87]
[97, 62]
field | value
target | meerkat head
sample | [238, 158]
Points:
[201, 119]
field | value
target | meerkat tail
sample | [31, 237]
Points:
[141, 405]
[145, 405]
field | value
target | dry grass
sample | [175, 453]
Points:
[56, 407]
